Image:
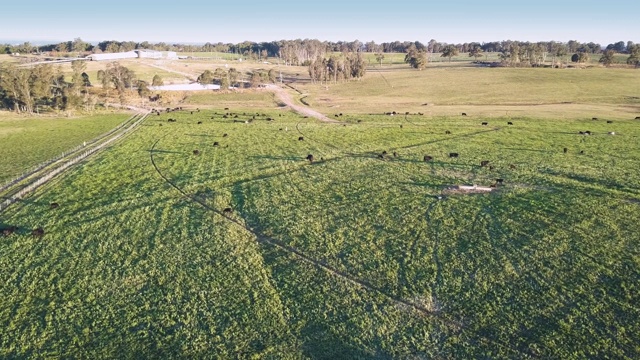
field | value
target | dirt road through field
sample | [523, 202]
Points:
[286, 99]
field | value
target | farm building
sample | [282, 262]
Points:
[142, 53]
[149, 54]
[113, 56]
[153, 54]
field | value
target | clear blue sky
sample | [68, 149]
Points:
[456, 21]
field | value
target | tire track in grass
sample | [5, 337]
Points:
[261, 238]
[412, 247]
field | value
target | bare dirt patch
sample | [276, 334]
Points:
[467, 189]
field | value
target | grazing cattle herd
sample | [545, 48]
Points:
[7, 230]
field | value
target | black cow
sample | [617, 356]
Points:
[512, 167]
[581, 151]
[215, 143]
[509, 123]
[400, 126]
[485, 123]
[384, 152]
[54, 205]
[609, 122]
[37, 232]
[196, 152]
[226, 108]
[225, 135]
[484, 162]
[453, 155]
[464, 114]
[499, 181]
[301, 138]
[594, 118]
[427, 158]
[637, 117]
[447, 132]
[9, 230]
[199, 122]
[565, 150]
[310, 158]
[227, 210]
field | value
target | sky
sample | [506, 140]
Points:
[233, 21]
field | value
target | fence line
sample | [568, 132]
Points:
[74, 160]
[64, 154]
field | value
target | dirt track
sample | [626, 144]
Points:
[286, 98]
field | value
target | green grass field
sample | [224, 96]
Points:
[563, 93]
[349, 257]
[27, 142]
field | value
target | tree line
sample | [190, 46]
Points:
[300, 51]
[44, 87]
[527, 54]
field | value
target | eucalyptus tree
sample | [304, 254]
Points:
[449, 51]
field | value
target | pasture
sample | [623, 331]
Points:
[28, 141]
[247, 249]
[492, 92]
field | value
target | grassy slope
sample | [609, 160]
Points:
[547, 266]
[27, 142]
[401, 90]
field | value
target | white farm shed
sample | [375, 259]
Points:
[149, 54]
[113, 56]
[153, 54]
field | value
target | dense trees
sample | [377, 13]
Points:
[607, 57]
[206, 77]
[336, 68]
[449, 51]
[157, 80]
[40, 87]
[303, 52]
[416, 58]
[475, 51]
[634, 54]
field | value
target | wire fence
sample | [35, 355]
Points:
[70, 162]
[63, 155]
